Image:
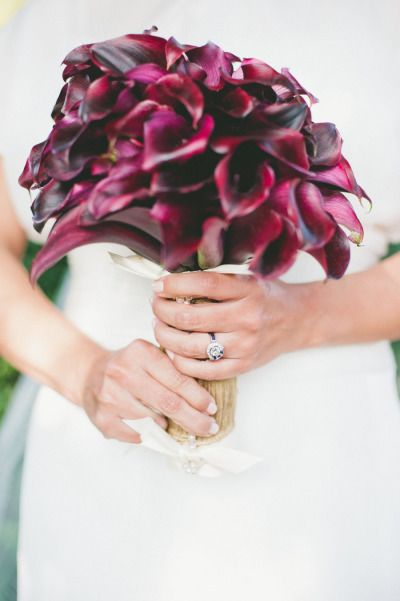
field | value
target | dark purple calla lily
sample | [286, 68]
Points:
[214, 62]
[98, 100]
[178, 90]
[168, 137]
[192, 157]
[244, 179]
[120, 55]
[334, 257]
[68, 233]
[210, 251]
[302, 203]
[326, 144]
[337, 205]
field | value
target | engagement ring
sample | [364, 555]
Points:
[215, 350]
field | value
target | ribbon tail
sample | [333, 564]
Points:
[153, 436]
[229, 460]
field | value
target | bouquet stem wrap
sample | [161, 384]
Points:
[224, 393]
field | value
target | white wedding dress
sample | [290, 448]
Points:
[318, 519]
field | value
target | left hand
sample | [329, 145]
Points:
[255, 321]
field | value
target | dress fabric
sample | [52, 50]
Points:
[318, 517]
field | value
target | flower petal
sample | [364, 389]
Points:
[181, 219]
[99, 99]
[326, 145]
[118, 190]
[190, 176]
[288, 146]
[335, 255]
[298, 87]
[146, 74]
[174, 50]
[302, 203]
[168, 137]
[33, 172]
[122, 54]
[215, 63]
[252, 70]
[237, 103]
[68, 233]
[290, 115]
[210, 252]
[178, 90]
[278, 255]
[341, 176]
[131, 124]
[249, 234]
[337, 205]
[244, 179]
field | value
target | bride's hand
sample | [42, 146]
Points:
[254, 321]
[139, 381]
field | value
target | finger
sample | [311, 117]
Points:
[210, 370]
[217, 286]
[200, 317]
[194, 344]
[122, 403]
[175, 407]
[163, 371]
[121, 431]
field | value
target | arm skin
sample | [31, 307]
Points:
[257, 322]
[136, 381]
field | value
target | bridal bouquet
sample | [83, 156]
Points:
[193, 158]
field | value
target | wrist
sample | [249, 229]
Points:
[77, 369]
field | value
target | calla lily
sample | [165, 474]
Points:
[168, 137]
[210, 251]
[121, 55]
[334, 257]
[302, 203]
[326, 145]
[68, 233]
[337, 205]
[178, 90]
[244, 179]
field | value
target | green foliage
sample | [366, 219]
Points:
[49, 283]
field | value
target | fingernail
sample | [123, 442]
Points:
[158, 286]
[212, 408]
[213, 428]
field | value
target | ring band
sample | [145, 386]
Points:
[215, 350]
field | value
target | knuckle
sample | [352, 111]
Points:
[186, 319]
[252, 321]
[210, 282]
[179, 380]
[170, 404]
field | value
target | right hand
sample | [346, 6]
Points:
[140, 381]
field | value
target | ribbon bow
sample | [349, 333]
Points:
[206, 460]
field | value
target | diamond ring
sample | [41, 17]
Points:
[215, 350]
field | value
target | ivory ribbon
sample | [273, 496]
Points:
[141, 266]
[207, 460]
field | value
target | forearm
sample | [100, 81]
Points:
[361, 307]
[35, 336]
